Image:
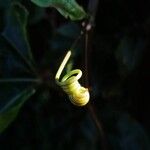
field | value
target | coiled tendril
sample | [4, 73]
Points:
[78, 95]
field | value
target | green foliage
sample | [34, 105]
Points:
[9, 112]
[68, 8]
[15, 28]
[16, 63]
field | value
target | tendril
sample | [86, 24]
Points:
[78, 95]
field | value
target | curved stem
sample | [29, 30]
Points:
[64, 62]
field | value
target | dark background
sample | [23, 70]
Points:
[118, 72]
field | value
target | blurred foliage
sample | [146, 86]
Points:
[67, 8]
[35, 114]
[16, 61]
[9, 112]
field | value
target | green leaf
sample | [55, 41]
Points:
[10, 111]
[16, 64]
[68, 8]
[14, 79]
[15, 30]
[11, 64]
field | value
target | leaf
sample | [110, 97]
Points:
[69, 30]
[129, 54]
[10, 111]
[16, 66]
[15, 30]
[12, 88]
[68, 8]
[124, 132]
[11, 64]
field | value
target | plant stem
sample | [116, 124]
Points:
[19, 80]
[92, 9]
[99, 125]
